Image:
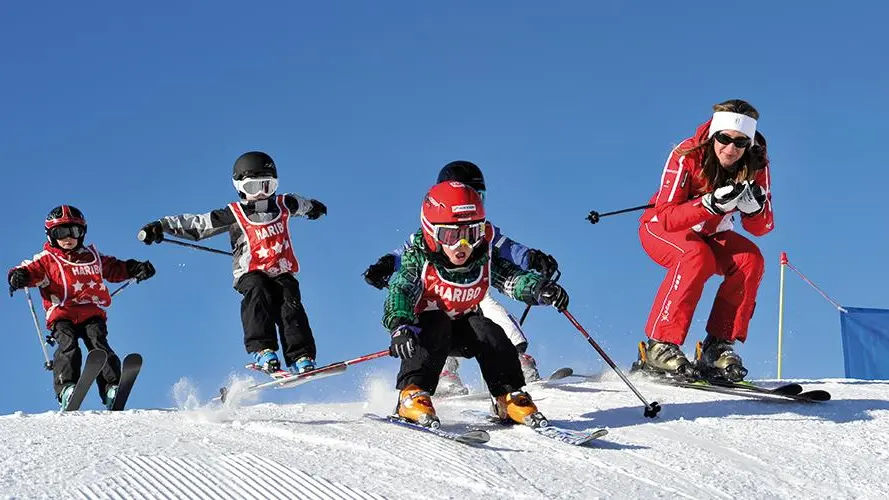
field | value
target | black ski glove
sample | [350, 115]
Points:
[153, 232]
[377, 274]
[318, 209]
[18, 279]
[757, 157]
[551, 293]
[140, 270]
[404, 341]
[543, 263]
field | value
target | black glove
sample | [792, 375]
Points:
[757, 158]
[318, 209]
[377, 274]
[724, 199]
[752, 201]
[543, 263]
[551, 293]
[140, 270]
[404, 341]
[153, 232]
[18, 279]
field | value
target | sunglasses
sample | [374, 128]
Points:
[454, 236]
[739, 142]
[67, 231]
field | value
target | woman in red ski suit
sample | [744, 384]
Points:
[720, 171]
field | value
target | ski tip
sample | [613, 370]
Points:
[817, 396]
[561, 373]
[475, 436]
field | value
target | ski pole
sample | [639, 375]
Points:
[142, 235]
[651, 409]
[48, 364]
[557, 275]
[594, 216]
[121, 287]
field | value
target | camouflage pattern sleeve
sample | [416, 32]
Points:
[197, 227]
[513, 281]
[405, 289]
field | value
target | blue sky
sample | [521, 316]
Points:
[132, 112]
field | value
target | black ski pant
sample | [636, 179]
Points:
[273, 305]
[470, 336]
[68, 359]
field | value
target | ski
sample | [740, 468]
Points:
[556, 375]
[568, 436]
[786, 392]
[95, 361]
[747, 390]
[470, 437]
[559, 374]
[129, 370]
[793, 391]
[282, 379]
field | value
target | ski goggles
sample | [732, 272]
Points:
[455, 236]
[256, 186]
[739, 142]
[67, 231]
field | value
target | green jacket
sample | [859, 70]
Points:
[406, 287]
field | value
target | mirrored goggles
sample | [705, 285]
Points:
[457, 235]
[255, 186]
[67, 231]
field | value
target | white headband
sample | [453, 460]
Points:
[725, 120]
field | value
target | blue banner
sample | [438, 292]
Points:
[866, 343]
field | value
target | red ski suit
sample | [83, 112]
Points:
[72, 283]
[680, 234]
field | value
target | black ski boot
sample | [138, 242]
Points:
[665, 359]
[718, 360]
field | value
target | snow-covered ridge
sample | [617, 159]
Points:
[702, 445]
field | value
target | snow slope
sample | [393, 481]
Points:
[702, 446]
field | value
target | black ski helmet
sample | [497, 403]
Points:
[463, 171]
[254, 164]
[64, 215]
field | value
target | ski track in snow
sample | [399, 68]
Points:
[703, 445]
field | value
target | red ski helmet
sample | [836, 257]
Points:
[452, 214]
[65, 221]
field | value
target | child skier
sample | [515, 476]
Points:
[432, 308]
[264, 262]
[378, 275]
[71, 278]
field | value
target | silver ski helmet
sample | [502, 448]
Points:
[255, 176]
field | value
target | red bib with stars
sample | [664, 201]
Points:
[82, 282]
[455, 299]
[268, 243]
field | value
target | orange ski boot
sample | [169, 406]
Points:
[415, 404]
[518, 407]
